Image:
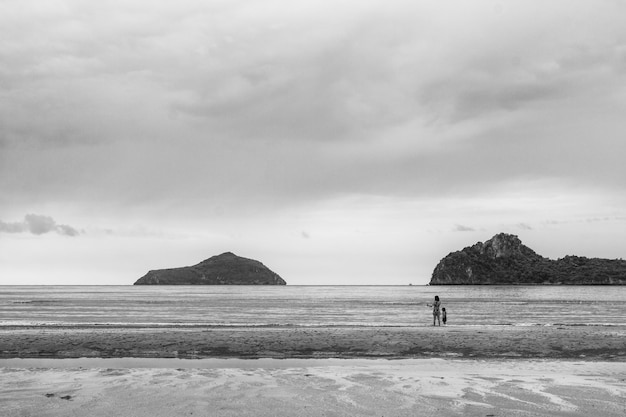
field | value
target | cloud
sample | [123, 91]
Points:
[462, 228]
[223, 103]
[66, 230]
[38, 225]
[514, 84]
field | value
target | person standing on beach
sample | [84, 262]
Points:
[435, 307]
[444, 317]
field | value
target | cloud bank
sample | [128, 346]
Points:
[38, 225]
[292, 102]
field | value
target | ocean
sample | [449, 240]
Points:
[310, 306]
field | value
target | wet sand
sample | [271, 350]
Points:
[590, 342]
[452, 371]
[416, 387]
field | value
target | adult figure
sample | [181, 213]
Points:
[436, 305]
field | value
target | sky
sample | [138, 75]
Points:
[337, 142]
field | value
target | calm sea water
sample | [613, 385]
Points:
[310, 306]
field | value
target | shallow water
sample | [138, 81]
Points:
[310, 306]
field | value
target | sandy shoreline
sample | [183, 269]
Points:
[453, 371]
[374, 387]
[581, 342]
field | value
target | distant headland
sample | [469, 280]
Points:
[504, 260]
[224, 269]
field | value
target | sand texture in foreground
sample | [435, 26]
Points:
[418, 387]
[565, 342]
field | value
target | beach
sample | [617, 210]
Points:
[326, 371]
[311, 351]
[548, 342]
[417, 387]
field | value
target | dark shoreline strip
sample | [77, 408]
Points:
[586, 343]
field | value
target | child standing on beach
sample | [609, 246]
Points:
[443, 315]
[435, 307]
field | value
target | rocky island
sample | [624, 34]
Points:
[504, 260]
[224, 269]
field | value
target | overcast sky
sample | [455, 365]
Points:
[338, 142]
